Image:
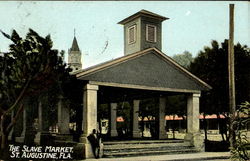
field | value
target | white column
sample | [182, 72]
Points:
[89, 116]
[162, 129]
[136, 131]
[63, 118]
[193, 122]
[113, 110]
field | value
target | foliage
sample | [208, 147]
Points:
[212, 67]
[148, 108]
[30, 68]
[102, 113]
[176, 105]
[184, 59]
[124, 111]
[241, 150]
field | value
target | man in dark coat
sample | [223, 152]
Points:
[95, 143]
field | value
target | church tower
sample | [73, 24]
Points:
[74, 56]
[142, 30]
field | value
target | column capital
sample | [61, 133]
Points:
[196, 95]
[136, 102]
[91, 87]
[60, 97]
[113, 104]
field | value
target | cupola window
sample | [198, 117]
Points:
[131, 34]
[151, 33]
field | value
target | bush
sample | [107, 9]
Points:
[241, 151]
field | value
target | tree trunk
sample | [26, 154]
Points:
[205, 126]
[100, 125]
[173, 127]
[5, 129]
[142, 124]
[2, 132]
[3, 140]
[220, 127]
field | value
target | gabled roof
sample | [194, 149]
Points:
[74, 46]
[148, 68]
[143, 13]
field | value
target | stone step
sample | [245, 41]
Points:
[65, 143]
[148, 149]
[143, 153]
[147, 146]
[142, 142]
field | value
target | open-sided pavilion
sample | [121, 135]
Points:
[144, 74]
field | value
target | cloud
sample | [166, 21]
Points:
[188, 13]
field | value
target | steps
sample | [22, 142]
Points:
[146, 147]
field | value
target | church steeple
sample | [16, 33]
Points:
[74, 55]
[75, 46]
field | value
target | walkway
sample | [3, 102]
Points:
[215, 156]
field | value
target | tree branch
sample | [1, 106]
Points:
[2, 111]
[14, 119]
[20, 95]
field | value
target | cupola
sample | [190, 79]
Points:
[142, 30]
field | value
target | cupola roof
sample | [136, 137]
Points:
[143, 13]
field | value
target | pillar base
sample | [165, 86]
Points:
[163, 135]
[37, 139]
[10, 136]
[87, 148]
[79, 151]
[20, 139]
[64, 137]
[136, 134]
[196, 140]
[113, 133]
[44, 138]
[83, 139]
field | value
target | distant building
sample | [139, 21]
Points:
[74, 56]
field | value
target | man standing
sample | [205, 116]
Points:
[94, 140]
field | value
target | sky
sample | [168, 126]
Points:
[192, 25]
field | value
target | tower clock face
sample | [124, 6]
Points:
[73, 59]
[76, 59]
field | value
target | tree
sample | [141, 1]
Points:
[184, 59]
[149, 109]
[241, 149]
[102, 113]
[124, 111]
[176, 105]
[30, 67]
[211, 66]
